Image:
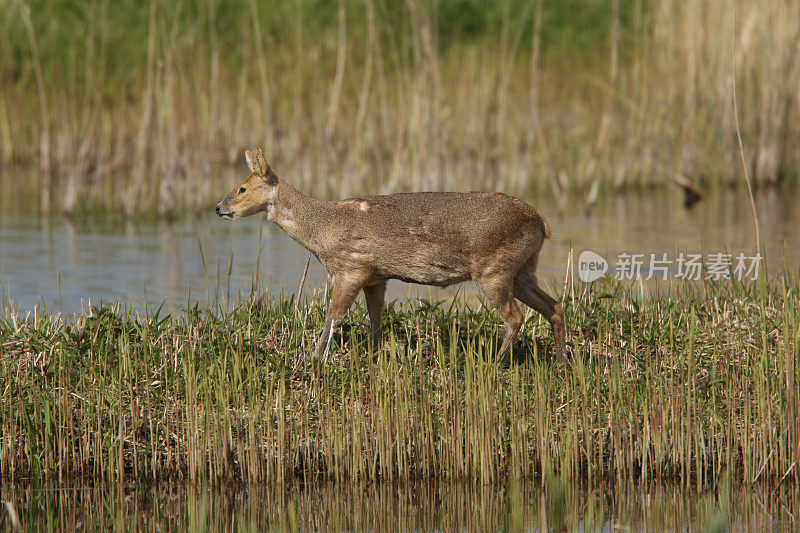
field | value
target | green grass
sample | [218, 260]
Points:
[686, 385]
[65, 29]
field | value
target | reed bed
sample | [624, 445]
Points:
[687, 385]
[358, 96]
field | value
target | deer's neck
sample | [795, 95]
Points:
[303, 218]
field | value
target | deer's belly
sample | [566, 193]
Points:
[432, 274]
[425, 269]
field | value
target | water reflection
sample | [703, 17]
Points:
[64, 264]
[516, 506]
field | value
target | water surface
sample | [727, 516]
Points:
[64, 264]
[520, 506]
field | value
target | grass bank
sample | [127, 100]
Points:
[685, 385]
[361, 97]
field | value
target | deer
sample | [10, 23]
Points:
[428, 238]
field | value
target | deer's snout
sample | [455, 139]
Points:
[223, 212]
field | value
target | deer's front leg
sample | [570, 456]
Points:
[345, 289]
[374, 295]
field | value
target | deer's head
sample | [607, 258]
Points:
[255, 193]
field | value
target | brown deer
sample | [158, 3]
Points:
[432, 238]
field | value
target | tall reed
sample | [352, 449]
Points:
[364, 97]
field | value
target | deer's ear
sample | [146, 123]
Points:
[256, 162]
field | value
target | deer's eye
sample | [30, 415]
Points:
[242, 190]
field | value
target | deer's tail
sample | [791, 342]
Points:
[546, 228]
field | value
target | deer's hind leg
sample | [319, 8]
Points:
[527, 290]
[499, 291]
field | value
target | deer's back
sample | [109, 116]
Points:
[435, 238]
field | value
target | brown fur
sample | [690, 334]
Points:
[432, 238]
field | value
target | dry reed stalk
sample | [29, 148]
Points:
[296, 136]
[341, 55]
[535, 68]
[739, 141]
[43, 156]
[355, 152]
[132, 195]
[264, 83]
[6, 138]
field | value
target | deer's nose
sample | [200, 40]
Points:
[218, 209]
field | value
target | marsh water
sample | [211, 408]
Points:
[519, 506]
[65, 264]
